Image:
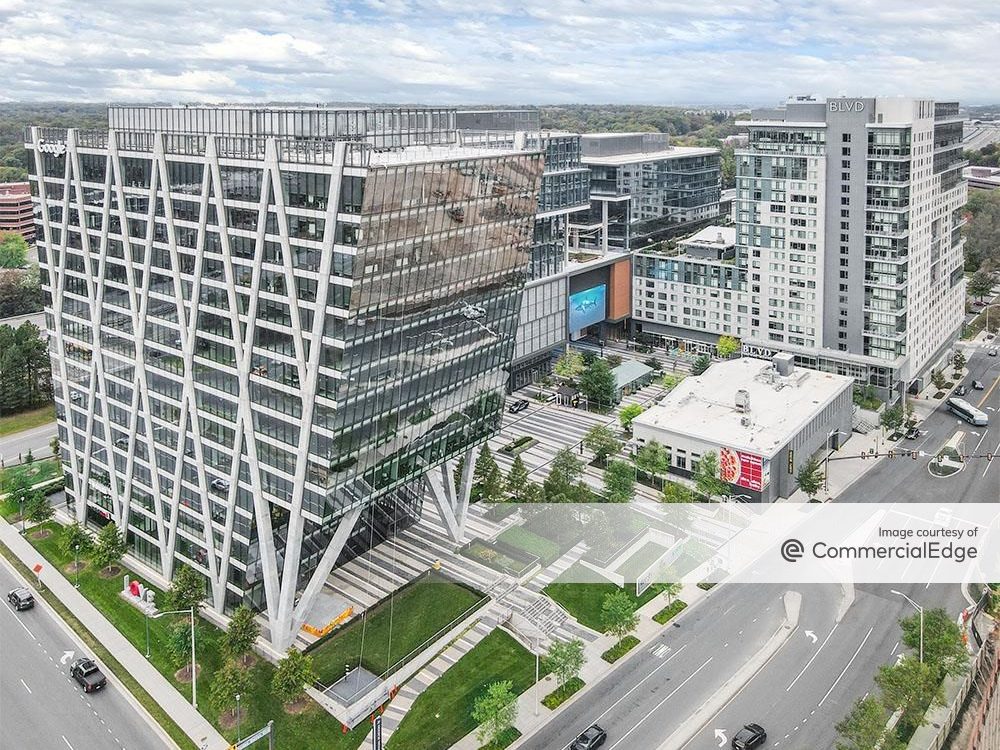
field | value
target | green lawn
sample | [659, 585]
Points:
[442, 714]
[414, 615]
[640, 561]
[584, 600]
[544, 549]
[314, 728]
[26, 420]
[36, 472]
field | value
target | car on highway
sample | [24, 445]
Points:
[961, 390]
[86, 672]
[978, 385]
[21, 599]
[591, 739]
[749, 737]
[519, 405]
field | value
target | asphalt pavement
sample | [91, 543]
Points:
[41, 707]
[37, 440]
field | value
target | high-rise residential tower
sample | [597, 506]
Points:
[272, 328]
[848, 242]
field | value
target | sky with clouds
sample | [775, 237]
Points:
[497, 51]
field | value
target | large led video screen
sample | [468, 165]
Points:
[587, 307]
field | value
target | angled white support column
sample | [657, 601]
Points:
[283, 629]
[453, 506]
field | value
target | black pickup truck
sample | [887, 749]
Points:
[88, 674]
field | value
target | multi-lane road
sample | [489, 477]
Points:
[41, 708]
[813, 679]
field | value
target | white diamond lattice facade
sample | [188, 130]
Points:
[273, 330]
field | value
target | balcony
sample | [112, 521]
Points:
[895, 230]
[896, 179]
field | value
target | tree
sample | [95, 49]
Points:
[864, 728]
[37, 508]
[627, 414]
[675, 492]
[980, 283]
[938, 379]
[943, 647]
[18, 487]
[701, 364]
[653, 363]
[74, 535]
[670, 590]
[893, 417]
[569, 365]
[20, 292]
[619, 482]
[911, 420]
[291, 676]
[670, 380]
[727, 346]
[54, 446]
[618, 614]
[495, 711]
[229, 681]
[13, 250]
[958, 362]
[109, 548]
[517, 480]
[562, 483]
[241, 634]
[187, 589]
[487, 478]
[565, 659]
[910, 687]
[613, 360]
[810, 477]
[706, 475]
[598, 383]
[602, 442]
[29, 457]
[179, 645]
[653, 458]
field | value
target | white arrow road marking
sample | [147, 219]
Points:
[811, 636]
[720, 735]
[899, 658]
[67, 655]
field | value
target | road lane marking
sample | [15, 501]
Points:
[989, 462]
[987, 394]
[634, 688]
[656, 708]
[792, 684]
[26, 687]
[66, 741]
[14, 615]
[841, 676]
[985, 433]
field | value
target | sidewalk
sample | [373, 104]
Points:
[196, 726]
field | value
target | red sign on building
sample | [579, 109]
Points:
[742, 469]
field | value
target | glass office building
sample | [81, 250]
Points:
[269, 325]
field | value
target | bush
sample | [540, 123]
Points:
[668, 613]
[562, 694]
[706, 586]
[621, 648]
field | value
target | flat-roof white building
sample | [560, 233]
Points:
[763, 419]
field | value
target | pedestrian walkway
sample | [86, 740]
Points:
[193, 724]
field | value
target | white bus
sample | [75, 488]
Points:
[967, 411]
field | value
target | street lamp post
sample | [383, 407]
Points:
[921, 611]
[194, 670]
[538, 646]
[239, 735]
[76, 563]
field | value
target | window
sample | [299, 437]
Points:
[846, 137]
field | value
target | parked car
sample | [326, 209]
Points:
[961, 390]
[912, 434]
[749, 737]
[519, 405]
[86, 672]
[978, 385]
[591, 739]
[21, 599]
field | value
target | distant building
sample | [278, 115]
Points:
[16, 211]
[641, 187]
[982, 178]
[763, 420]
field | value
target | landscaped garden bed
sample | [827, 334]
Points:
[442, 714]
[621, 648]
[422, 611]
[518, 445]
[499, 556]
[562, 694]
[669, 612]
[585, 600]
[538, 546]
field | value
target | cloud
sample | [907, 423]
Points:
[496, 51]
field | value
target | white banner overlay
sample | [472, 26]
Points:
[647, 543]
